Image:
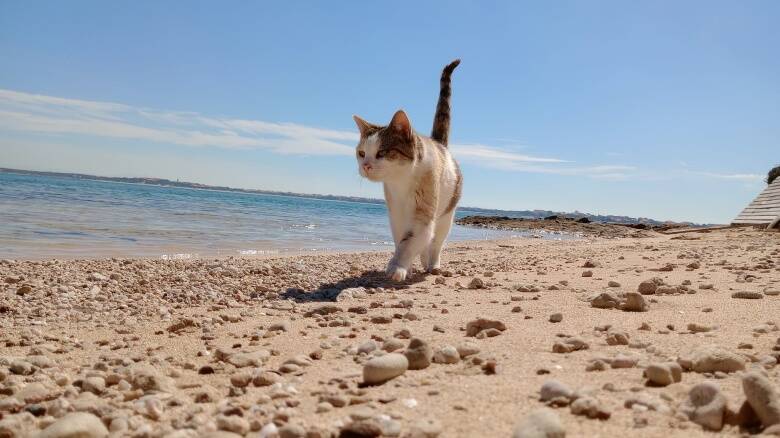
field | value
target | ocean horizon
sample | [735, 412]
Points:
[44, 216]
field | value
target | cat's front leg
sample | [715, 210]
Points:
[410, 246]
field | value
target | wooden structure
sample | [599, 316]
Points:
[764, 210]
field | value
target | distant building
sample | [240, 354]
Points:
[765, 209]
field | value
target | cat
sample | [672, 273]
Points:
[422, 181]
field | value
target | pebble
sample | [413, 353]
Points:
[556, 317]
[763, 397]
[541, 423]
[552, 390]
[591, 408]
[95, 385]
[476, 283]
[698, 328]
[663, 374]
[623, 361]
[570, 344]
[21, 367]
[419, 354]
[383, 368]
[747, 295]
[76, 425]
[635, 302]
[480, 324]
[392, 344]
[648, 287]
[711, 358]
[705, 406]
[617, 338]
[467, 349]
[605, 300]
[447, 355]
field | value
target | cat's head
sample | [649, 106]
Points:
[385, 152]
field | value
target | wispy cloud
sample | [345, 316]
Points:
[730, 176]
[46, 114]
[42, 114]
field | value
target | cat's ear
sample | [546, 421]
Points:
[401, 124]
[363, 126]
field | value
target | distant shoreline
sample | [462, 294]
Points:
[162, 182]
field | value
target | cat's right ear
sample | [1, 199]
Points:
[362, 125]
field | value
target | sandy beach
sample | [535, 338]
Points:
[282, 346]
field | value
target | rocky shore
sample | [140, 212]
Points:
[643, 335]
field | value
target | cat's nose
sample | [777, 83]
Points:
[366, 167]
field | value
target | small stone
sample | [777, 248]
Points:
[447, 355]
[635, 302]
[617, 338]
[613, 283]
[556, 317]
[476, 283]
[383, 368]
[705, 406]
[467, 349]
[393, 344]
[591, 408]
[541, 423]
[570, 344]
[232, 423]
[698, 328]
[76, 425]
[648, 287]
[747, 295]
[605, 300]
[663, 374]
[763, 397]
[289, 430]
[710, 358]
[419, 354]
[624, 361]
[266, 378]
[477, 325]
[21, 367]
[587, 273]
[241, 379]
[553, 389]
[95, 385]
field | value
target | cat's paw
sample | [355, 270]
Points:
[396, 273]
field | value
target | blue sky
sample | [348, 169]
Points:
[663, 109]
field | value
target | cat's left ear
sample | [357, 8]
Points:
[401, 124]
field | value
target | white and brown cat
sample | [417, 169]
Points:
[422, 182]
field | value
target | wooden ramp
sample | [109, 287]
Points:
[764, 209]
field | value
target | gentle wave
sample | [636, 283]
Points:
[47, 216]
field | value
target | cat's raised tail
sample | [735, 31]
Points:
[441, 121]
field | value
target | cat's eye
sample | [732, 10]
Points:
[381, 154]
[361, 154]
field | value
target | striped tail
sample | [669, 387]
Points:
[441, 121]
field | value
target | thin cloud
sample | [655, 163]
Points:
[731, 176]
[42, 114]
[52, 115]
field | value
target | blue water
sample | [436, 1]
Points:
[44, 217]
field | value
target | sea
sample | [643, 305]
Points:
[64, 217]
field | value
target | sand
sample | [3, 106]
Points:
[187, 347]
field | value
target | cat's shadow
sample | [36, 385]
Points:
[327, 292]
